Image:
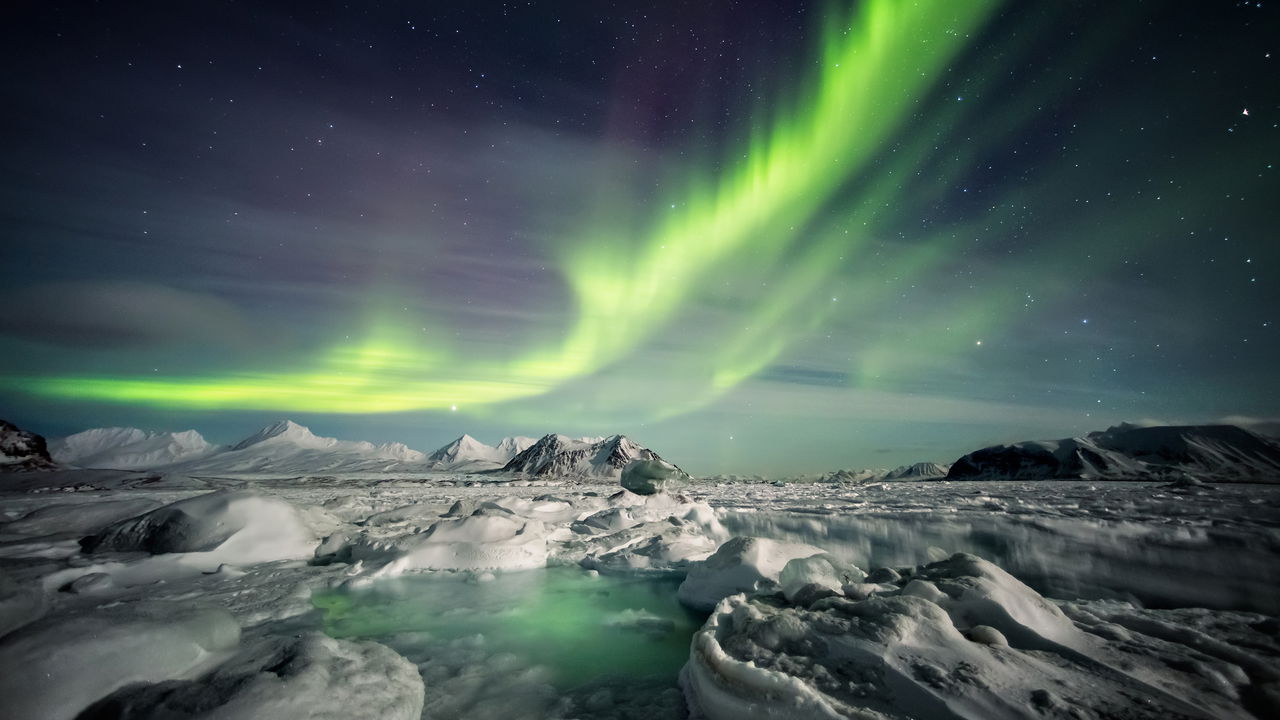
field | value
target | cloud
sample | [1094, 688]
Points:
[119, 314]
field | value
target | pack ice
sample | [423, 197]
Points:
[188, 590]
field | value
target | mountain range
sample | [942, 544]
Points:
[1131, 452]
[1122, 452]
[287, 448]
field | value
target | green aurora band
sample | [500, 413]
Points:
[769, 217]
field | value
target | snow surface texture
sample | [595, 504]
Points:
[21, 450]
[54, 668]
[961, 638]
[241, 527]
[146, 552]
[309, 676]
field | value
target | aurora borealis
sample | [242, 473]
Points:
[757, 238]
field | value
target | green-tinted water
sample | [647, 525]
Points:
[578, 630]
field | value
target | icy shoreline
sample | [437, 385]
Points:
[216, 592]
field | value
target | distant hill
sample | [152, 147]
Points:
[1129, 452]
[287, 449]
[129, 448]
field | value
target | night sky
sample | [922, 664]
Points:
[754, 236]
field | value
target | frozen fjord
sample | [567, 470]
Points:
[236, 590]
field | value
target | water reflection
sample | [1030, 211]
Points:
[536, 644]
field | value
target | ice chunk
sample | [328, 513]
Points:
[822, 570]
[646, 477]
[478, 542]
[741, 564]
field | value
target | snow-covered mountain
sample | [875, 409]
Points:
[129, 448]
[918, 471]
[287, 433]
[509, 447]
[1129, 452]
[561, 456]
[468, 454]
[22, 450]
[847, 475]
[287, 448]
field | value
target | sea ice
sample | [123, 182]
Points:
[741, 564]
[964, 639]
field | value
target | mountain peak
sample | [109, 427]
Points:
[121, 448]
[285, 431]
[561, 456]
[22, 450]
[465, 449]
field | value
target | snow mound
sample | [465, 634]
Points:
[129, 448]
[21, 450]
[822, 573]
[310, 676]
[240, 527]
[961, 638]
[1130, 452]
[54, 668]
[486, 540]
[78, 518]
[742, 564]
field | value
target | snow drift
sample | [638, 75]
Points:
[961, 638]
[53, 668]
[238, 527]
[306, 676]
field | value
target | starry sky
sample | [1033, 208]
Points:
[758, 237]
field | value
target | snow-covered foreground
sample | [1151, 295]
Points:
[465, 597]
